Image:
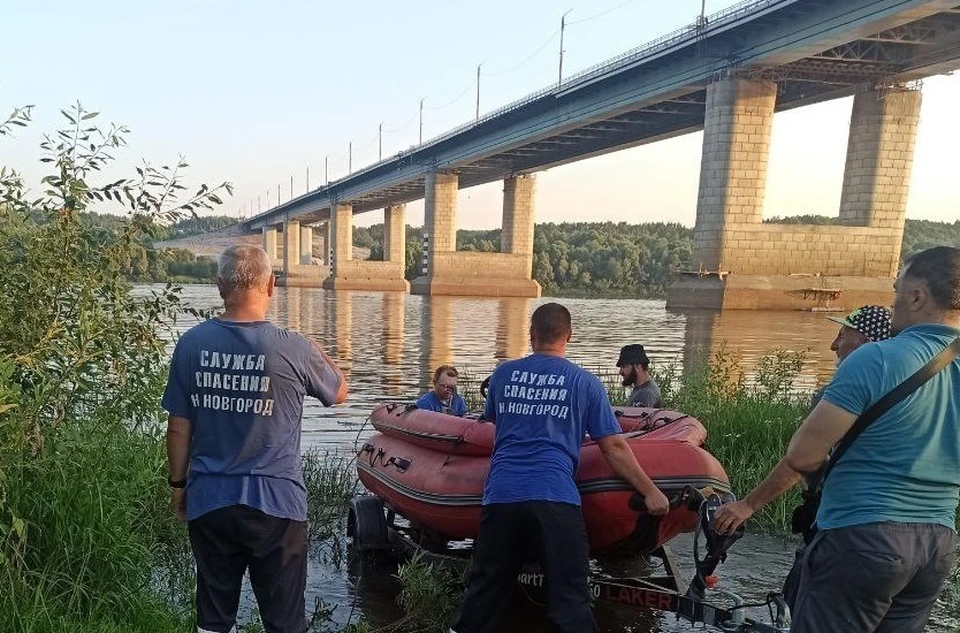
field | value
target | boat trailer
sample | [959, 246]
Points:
[374, 528]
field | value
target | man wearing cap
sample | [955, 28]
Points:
[634, 366]
[886, 523]
[864, 325]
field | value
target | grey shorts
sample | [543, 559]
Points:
[874, 578]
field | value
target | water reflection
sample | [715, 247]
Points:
[436, 336]
[341, 344]
[392, 330]
[749, 335]
[512, 328]
[390, 343]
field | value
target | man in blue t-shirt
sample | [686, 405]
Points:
[235, 398]
[886, 538]
[543, 406]
[444, 397]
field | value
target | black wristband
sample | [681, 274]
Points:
[177, 484]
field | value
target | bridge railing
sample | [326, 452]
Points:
[679, 36]
[682, 35]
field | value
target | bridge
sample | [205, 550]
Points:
[726, 74]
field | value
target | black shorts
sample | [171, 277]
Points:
[556, 532]
[228, 541]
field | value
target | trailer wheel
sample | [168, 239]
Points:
[366, 524]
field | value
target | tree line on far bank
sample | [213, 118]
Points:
[617, 259]
[589, 259]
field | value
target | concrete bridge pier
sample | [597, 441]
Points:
[739, 262]
[323, 248]
[876, 177]
[270, 243]
[508, 273]
[306, 245]
[291, 246]
[297, 264]
[347, 273]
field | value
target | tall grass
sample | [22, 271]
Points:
[87, 540]
[101, 550]
[331, 483]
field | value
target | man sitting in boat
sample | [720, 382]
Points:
[634, 369]
[444, 397]
[543, 406]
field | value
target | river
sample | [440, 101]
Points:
[389, 343]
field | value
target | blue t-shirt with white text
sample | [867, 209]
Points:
[242, 384]
[431, 402]
[905, 467]
[543, 406]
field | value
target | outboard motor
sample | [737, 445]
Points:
[717, 544]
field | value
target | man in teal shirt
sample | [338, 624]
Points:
[886, 538]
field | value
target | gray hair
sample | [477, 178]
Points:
[244, 266]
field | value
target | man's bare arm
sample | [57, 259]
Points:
[617, 453]
[782, 478]
[178, 461]
[811, 443]
[178, 447]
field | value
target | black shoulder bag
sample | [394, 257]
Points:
[805, 514]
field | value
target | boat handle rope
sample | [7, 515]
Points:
[650, 417]
[461, 439]
[400, 463]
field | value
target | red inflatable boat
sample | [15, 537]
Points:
[430, 468]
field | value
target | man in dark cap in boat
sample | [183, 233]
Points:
[235, 399]
[886, 537]
[635, 371]
[543, 406]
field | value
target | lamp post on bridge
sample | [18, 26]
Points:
[350, 158]
[421, 121]
[563, 26]
[380, 138]
[478, 90]
[326, 170]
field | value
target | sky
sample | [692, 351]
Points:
[256, 92]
